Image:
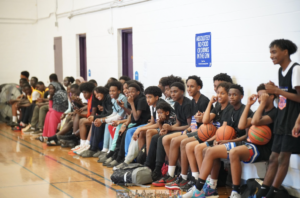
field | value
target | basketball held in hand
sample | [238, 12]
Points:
[206, 131]
[225, 132]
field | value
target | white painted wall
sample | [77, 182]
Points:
[163, 39]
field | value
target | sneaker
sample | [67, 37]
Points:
[198, 193]
[120, 166]
[113, 163]
[164, 180]
[97, 154]
[108, 161]
[30, 129]
[234, 194]
[82, 149]
[76, 148]
[175, 185]
[37, 132]
[190, 193]
[188, 185]
[209, 192]
[87, 153]
[156, 174]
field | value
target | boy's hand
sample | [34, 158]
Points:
[214, 99]
[271, 88]
[115, 123]
[120, 103]
[163, 132]
[62, 116]
[90, 118]
[167, 127]
[136, 135]
[199, 116]
[296, 129]
[97, 122]
[130, 99]
[40, 100]
[222, 142]
[78, 111]
[252, 99]
[100, 107]
[123, 128]
[264, 97]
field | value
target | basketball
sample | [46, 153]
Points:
[206, 131]
[225, 132]
[259, 135]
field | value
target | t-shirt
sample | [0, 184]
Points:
[172, 119]
[183, 111]
[140, 103]
[153, 109]
[288, 110]
[116, 108]
[46, 94]
[35, 95]
[95, 103]
[201, 105]
[107, 107]
[221, 115]
[81, 96]
[170, 101]
[295, 74]
[266, 150]
[233, 119]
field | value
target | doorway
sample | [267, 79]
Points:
[127, 53]
[58, 61]
[82, 56]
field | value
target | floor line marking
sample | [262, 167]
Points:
[64, 164]
[42, 178]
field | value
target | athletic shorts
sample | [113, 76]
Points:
[286, 143]
[254, 152]
[209, 143]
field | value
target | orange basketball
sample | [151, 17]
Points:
[225, 132]
[206, 131]
[259, 135]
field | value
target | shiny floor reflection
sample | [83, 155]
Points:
[29, 168]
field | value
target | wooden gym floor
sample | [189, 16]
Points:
[29, 168]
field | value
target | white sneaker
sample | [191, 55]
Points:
[75, 148]
[84, 148]
[190, 193]
[235, 195]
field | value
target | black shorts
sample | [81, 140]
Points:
[286, 143]
[195, 135]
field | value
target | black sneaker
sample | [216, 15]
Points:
[156, 175]
[164, 180]
[188, 185]
[175, 185]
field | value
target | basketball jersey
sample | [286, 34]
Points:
[288, 110]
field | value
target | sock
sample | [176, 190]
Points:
[104, 150]
[236, 188]
[195, 175]
[263, 191]
[208, 179]
[87, 142]
[82, 142]
[200, 184]
[171, 170]
[14, 119]
[213, 183]
[272, 192]
[184, 177]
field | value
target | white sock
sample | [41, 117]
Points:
[87, 142]
[104, 150]
[195, 175]
[82, 142]
[213, 183]
[171, 170]
[184, 177]
[14, 119]
[208, 179]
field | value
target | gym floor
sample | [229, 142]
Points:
[29, 168]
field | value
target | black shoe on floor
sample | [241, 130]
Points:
[189, 185]
[156, 174]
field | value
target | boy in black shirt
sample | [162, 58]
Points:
[246, 151]
[284, 143]
[183, 113]
[173, 142]
[140, 114]
[213, 154]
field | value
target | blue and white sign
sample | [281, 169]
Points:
[136, 75]
[203, 49]
[90, 73]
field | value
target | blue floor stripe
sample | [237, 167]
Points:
[63, 164]
[42, 178]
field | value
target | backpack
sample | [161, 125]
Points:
[253, 185]
[134, 174]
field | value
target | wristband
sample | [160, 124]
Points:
[101, 120]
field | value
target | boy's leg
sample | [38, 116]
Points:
[128, 137]
[35, 117]
[199, 154]
[142, 139]
[173, 145]
[133, 151]
[106, 139]
[76, 123]
[114, 142]
[149, 134]
[83, 123]
[150, 160]
[42, 115]
[183, 157]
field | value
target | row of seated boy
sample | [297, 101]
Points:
[123, 122]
